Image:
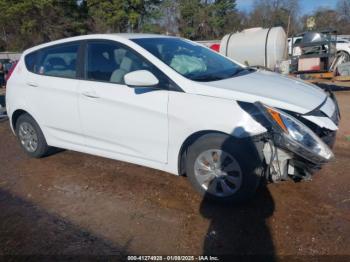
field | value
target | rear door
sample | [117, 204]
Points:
[53, 83]
[116, 119]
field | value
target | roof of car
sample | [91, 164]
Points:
[140, 35]
[126, 36]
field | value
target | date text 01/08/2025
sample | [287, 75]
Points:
[172, 258]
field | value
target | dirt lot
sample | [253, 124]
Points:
[73, 203]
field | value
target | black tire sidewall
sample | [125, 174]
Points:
[42, 145]
[346, 54]
[245, 153]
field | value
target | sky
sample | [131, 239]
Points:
[306, 6]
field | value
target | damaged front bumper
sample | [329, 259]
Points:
[285, 161]
[282, 165]
[296, 145]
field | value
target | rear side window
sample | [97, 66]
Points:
[59, 61]
[30, 61]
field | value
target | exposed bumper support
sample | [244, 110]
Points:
[283, 165]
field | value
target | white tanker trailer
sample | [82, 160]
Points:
[258, 46]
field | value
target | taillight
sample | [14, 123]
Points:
[7, 78]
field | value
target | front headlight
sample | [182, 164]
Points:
[293, 135]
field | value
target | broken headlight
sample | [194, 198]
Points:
[293, 135]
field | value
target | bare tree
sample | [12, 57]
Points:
[268, 13]
[170, 20]
[343, 9]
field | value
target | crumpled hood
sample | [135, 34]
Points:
[269, 88]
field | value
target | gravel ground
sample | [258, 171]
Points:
[71, 203]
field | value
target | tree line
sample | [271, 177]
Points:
[24, 23]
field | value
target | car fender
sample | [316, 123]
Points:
[189, 114]
[21, 106]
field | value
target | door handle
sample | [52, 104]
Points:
[33, 84]
[90, 94]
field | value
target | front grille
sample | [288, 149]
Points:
[329, 138]
[336, 115]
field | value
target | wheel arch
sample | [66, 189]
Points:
[16, 114]
[343, 51]
[258, 141]
[188, 142]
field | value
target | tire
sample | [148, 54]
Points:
[344, 55]
[241, 172]
[30, 136]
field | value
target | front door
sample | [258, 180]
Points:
[117, 119]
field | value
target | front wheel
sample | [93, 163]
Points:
[223, 168]
[343, 57]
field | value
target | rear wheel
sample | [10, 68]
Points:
[223, 168]
[31, 137]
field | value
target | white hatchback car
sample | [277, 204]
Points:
[174, 105]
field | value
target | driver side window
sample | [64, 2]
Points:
[110, 62]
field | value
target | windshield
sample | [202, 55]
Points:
[191, 59]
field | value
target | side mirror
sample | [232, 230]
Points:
[140, 78]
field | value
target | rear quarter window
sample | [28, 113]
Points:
[30, 61]
[59, 61]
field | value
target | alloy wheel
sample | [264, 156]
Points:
[28, 137]
[218, 172]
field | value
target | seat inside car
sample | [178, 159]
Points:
[55, 63]
[56, 66]
[126, 65]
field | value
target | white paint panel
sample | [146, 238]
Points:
[190, 113]
[329, 107]
[124, 120]
[324, 122]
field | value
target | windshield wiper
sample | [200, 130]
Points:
[238, 71]
[207, 78]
